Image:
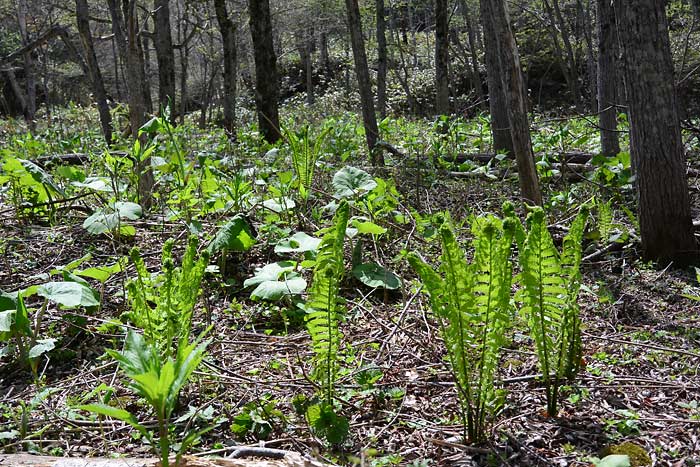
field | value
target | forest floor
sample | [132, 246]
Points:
[640, 383]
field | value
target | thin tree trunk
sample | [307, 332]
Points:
[442, 58]
[82, 14]
[145, 66]
[498, 107]
[516, 99]
[228, 36]
[382, 59]
[369, 118]
[473, 51]
[165, 55]
[309, 65]
[266, 80]
[607, 78]
[663, 201]
[29, 73]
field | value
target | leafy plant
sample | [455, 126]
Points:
[173, 294]
[159, 382]
[305, 151]
[472, 302]
[551, 283]
[257, 418]
[109, 218]
[322, 321]
[276, 280]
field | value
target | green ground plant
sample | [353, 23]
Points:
[472, 301]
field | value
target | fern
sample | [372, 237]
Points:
[173, 293]
[305, 154]
[550, 300]
[322, 304]
[472, 302]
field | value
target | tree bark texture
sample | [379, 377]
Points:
[98, 87]
[500, 126]
[655, 139]
[29, 73]
[369, 117]
[442, 58]
[165, 55]
[473, 52]
[382, 59]
[607, 78]
[266, 80]
[516, 101]
[228, 37]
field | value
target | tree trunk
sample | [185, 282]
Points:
[516, 100]
[266, 81]
[29, 73]
[82, 14]
[369, 118]
[382, 59]
[442, 58]
[655, 138]
[228, 37]
[126, 32]
[165, 55]
[607, 78]
[309, 65]
[145, 67]
[473, 52]
[498, 107]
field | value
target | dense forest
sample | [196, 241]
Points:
[359, 233]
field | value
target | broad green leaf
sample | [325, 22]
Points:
[41, 347]
[298, 243]
[614, 460]
[279, 204]
[6, 320]
[152, 126]
[373, 275]
[327, 424]
[101, 222]
[8, 301]
[101, 184]
[369, 228]
[270, 272]
[116, 413]
[291, 284]
[235, 235]
[9, 435]
[102, 273]
[68, 294]
[40, 175]
[351, 181]
[128, 210]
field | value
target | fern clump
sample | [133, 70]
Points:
[472, 303]
[162, 304]
[322, 321]
[305, 152]
[549, 298]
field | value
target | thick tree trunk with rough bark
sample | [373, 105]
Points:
[382, 59]
[442, 58]
[516, 100]
[500, 126]
[655, 138]
[98, 87]
[266, 81]
[228, 36]
[607, 78]
[165, 55]
[369, 118]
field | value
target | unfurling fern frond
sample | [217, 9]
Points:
[472, 301]
[305, 153]
[549, 298]
[173, 293]
[322, 305]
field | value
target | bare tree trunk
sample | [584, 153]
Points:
[655, 138]
[442, 58]
[29, 73]
[82, 14]
[498, 107]
[476, 76]
[309, 65]
[607, 79]
[165, 55]
[228, 37]
[266, 81]
[126, 32]
[145, 66]
[382, 59]
[369, 118]
[516, 99]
